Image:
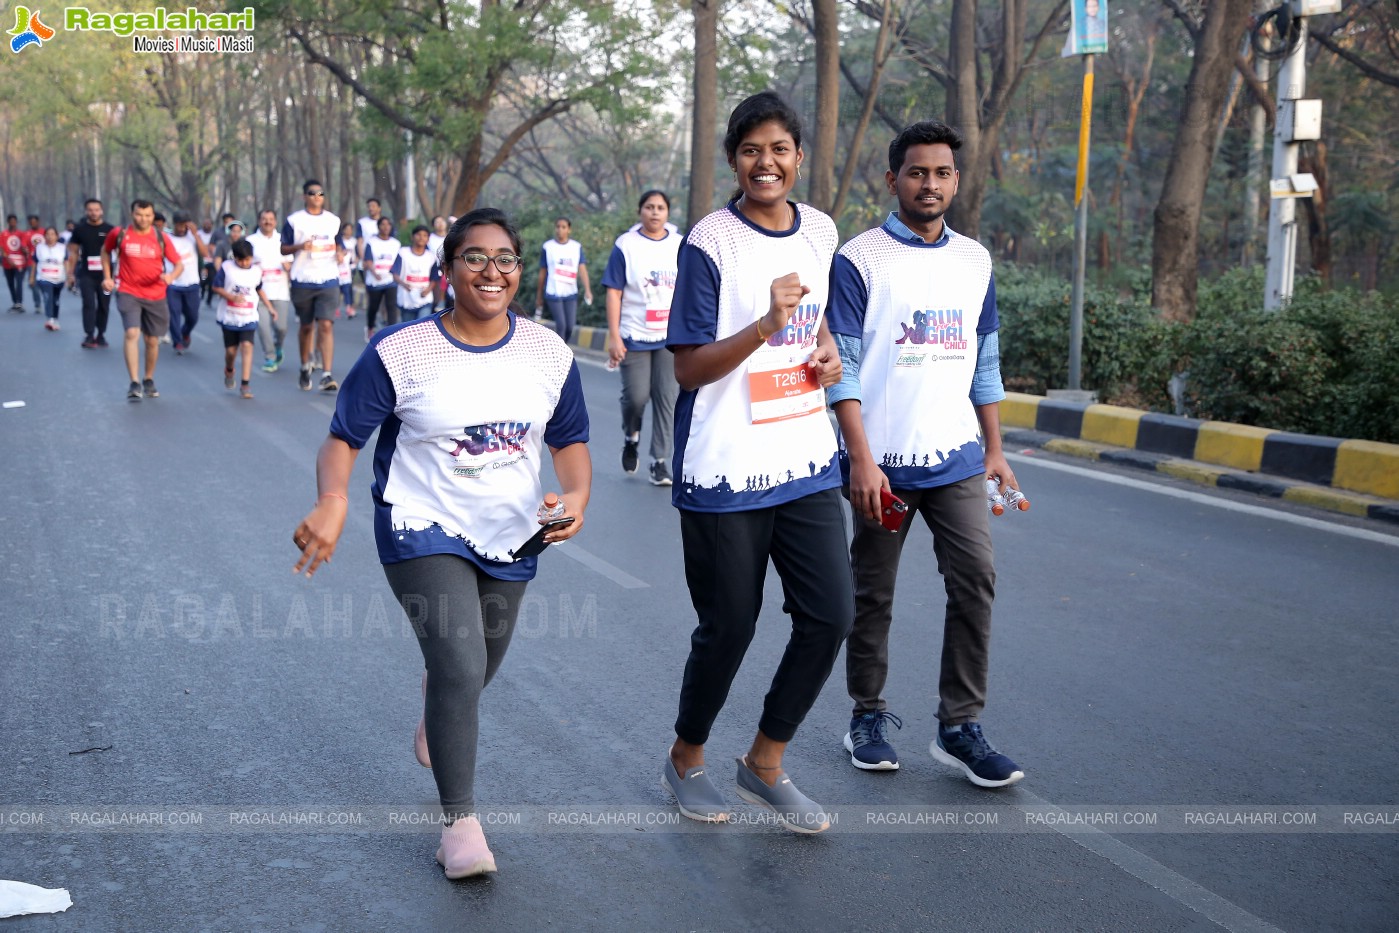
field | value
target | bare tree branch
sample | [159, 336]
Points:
[378, 103]
[1365, 68]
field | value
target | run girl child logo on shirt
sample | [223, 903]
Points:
[935, 327]
[801, 327]
[479, 439]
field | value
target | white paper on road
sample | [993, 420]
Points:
[14, 404]
[18, 899]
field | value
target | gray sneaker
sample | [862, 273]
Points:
[794, 810]
[695, 794]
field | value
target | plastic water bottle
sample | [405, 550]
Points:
[551, 508]
[995, 504]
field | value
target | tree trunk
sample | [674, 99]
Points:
[1318, 229]
[821, 166]
[857, 139]
[1175, 262]
[964, 113]
[704, 122]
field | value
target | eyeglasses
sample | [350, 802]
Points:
[476, 262]
[315, 194]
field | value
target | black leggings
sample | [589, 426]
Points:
[726, 561]
[389, 298]
[463, 618]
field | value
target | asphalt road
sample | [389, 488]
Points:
[1200, 688]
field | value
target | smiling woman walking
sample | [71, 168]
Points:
[756, 474]
[465, 403]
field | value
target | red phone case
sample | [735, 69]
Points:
[891, 510]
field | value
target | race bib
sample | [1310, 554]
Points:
[94, 263]
[782, 391]
[657, 319]
[50, 271]
[275, 272]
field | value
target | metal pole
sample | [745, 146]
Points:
[1282, 218]
[1080, 230]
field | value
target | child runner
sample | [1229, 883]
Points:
[238, 283]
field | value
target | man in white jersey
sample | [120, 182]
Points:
[913, 310]
[182, 295]
[417, 273]
[312, 238]
[267, 253]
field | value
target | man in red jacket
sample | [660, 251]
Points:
[14, 257]
[141, 251]
[32, 238]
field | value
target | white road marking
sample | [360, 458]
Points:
[596, 564]
[1262, 511]
[1168, 881]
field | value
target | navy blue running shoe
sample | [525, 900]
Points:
[869, 750]
[964, 747]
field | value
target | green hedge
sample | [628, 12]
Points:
[1327, 364]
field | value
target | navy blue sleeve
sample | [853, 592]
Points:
[288, 235]
[990, 320]
[218, 277]
[365, 401]
[436, 274]
[569, 423]
[543, 258]
[694, 313]
[582, 260]
[615, 275]
[845, 309]
[397, 265]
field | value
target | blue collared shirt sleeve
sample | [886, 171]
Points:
[569, 423]
[845, 309]
[990, 320]
[694, 313]
[615, 275]
[986, 381]
[848, 388]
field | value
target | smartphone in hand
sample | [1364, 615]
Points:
[536, 544]
[891, 510]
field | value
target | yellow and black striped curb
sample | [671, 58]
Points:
[590, 338]
[1349, 476]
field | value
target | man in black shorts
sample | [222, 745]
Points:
[312, 237]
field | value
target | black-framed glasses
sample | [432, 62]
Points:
[476, 262]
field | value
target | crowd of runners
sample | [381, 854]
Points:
[163, 274]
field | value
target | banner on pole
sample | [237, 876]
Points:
[1088, 31]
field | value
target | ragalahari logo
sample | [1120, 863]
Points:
[29, 30]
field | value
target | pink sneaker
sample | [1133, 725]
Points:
[420, 737]
[463, 851]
